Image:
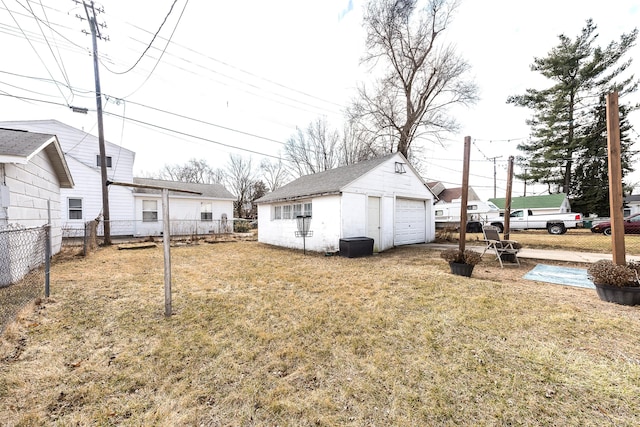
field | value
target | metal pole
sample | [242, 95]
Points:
[47, 251]
[166, 241]
[304, 237]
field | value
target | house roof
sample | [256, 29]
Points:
[632, 198]
[324, 183]
[215, 191]
[19, 146]
[68, 136]
[533, 202]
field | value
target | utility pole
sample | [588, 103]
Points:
[494, 174]
[95, 34]
[507, 201]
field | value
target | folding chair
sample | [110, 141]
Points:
[500, 247]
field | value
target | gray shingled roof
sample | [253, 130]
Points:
[216, 191]
[18, 146]
[21, 144]
[323, 183]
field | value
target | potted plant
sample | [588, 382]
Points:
[616, 283]
[461, 262]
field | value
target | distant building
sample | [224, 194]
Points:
[548, 203]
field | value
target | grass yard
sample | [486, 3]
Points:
[582, 240]
[267, 336]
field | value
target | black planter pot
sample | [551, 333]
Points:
[620, 295]
[461, 269]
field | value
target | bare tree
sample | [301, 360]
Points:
[313, 150]
[355, 145]
[274, 174]
[196, 171]
[240, 179]
[421, 75]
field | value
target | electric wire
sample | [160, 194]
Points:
[60, 64]
[249, 73]
[150, 43]
[35, 50]
[163, 51]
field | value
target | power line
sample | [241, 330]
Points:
[182, 116]
[59, 64]
[163, 50]
[151, 42]
[201, 138]
[34, 49]
[226, 64]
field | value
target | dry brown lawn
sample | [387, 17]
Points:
[266, 336]
[582, 240]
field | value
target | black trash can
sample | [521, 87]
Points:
[353, 247]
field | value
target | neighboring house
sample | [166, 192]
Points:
[209, 212]
[549, 203]
[631, 204]
[383, 198]
[33, 172]
[83, 202]
[448, 195]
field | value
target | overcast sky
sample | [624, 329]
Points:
[249, 72]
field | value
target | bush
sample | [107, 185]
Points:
[241, 226]
[456, 255]
[605, 272]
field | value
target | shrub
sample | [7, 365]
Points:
[241, 226]
[605, 272]
[456, 255]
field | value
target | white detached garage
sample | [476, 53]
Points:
[383, 198]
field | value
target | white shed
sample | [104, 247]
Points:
[384, 199]
[206, 213]
[32, 172]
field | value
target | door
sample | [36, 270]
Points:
[373, 221]
[410, 222]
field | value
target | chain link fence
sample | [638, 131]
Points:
[24, 266]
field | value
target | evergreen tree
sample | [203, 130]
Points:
[590, 189]
[568, 145]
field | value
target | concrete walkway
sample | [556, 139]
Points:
[543, 254]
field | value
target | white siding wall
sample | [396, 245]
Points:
[325, 225]
[185, 215]
[80, 151]
[384, 181]
[30, 187]
[336, 217]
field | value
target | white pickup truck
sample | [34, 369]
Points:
[555, 223]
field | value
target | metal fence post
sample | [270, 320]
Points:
[47, 250]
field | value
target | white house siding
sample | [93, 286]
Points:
[325, 226]
[80, 151]
[88, 188]
[31, 186]
[185, 215]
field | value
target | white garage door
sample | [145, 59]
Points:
[410, 222]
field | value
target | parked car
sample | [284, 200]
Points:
[554, 223]
[631, 226]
